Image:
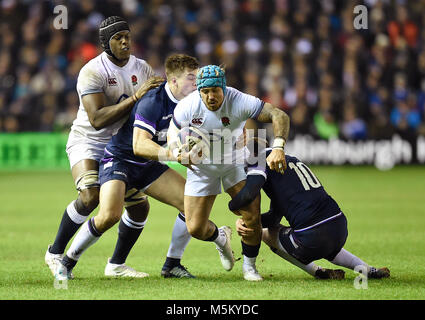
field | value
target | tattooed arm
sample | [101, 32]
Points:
[280, 120]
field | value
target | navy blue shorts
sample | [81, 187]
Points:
[138, 176]
[323, 241]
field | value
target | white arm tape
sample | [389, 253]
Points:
[279, 142]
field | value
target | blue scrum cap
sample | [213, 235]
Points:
[211, 76]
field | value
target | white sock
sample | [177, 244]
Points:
[221, 238]
[85, 238]
[180, 238]
[130, 223]
[310, 268]
[74, 215]
[348, 260]
[247, 261]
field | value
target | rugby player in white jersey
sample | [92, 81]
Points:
[108, 87]
[131, 161]
[222, 112]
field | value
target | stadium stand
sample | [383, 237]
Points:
[303, 56]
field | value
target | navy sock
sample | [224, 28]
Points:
[170, 263]
[250, 251]
[68, 263]
[127, 237]
[66, 231]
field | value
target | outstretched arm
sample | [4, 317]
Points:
[280, 120]
[144, 146]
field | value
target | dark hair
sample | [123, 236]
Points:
[177, 63]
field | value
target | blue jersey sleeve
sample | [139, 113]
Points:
[147, 115]
[249, 192]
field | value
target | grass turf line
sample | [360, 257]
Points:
[385, 219]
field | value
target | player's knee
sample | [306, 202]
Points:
[193, 230]
[106, 219]
[143, 209]
[139, 212]
[196, 230]
[88, 200]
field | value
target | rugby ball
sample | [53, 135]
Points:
[194, 138]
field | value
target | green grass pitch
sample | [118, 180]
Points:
[386, 220]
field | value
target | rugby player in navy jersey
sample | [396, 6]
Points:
[317, 226]
[131, 161]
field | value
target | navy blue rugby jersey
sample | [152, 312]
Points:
[153, 113]
[296, 195]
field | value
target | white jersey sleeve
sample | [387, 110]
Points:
[243, 105]
[183, 111]
[90, 81]
[100, 75]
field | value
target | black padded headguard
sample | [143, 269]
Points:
[108, 28]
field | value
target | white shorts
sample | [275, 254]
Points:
[206, 179]
[80, 148]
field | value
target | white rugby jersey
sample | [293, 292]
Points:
[117, 83]
[224, 126]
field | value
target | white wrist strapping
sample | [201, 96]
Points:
[279, 142]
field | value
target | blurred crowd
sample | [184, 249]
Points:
[302, 56]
